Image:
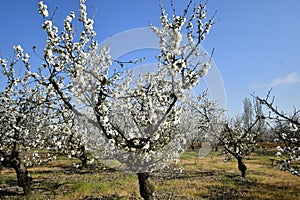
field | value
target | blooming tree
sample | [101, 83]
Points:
[141, 120]
[26, 118]
[32, 120]
[240, 135]
[211, 121]
[287, 130]
[77, 149]
[68, 138]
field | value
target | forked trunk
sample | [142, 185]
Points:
[146, 188]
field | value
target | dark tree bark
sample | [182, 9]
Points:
[242, 167]
[83, 157]
[83, 162]
[24, 179]
[146, 188]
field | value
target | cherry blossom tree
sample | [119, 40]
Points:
[211, 120]
[77, 149]
[141, 120]
[26, 118]
[238, 142]
[286, 128]
[68, 139]
[240, 135]
[32, 121]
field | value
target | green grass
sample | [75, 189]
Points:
[7, 179]
[202, 178]
[84, 187]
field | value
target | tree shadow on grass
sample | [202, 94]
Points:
[10, 190]
[110, 197]
[233, 187]
[170, 174]
[9, 187]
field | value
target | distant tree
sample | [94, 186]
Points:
[76, 148]
[239, 136]
[248, 113]
[261, 126]
[69, 139]
[211, 121]
[238, 142]
[287, 130]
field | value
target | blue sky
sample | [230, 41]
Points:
[257, 42]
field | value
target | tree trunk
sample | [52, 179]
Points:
[216, 148]
[146, 188]
[23, 176]
[83, 162]
[83, 157]
[242, 167]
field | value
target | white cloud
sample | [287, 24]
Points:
[288, 79]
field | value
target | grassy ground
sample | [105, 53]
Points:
[202, 178]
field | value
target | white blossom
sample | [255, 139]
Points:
[204, 69]
[278, 154]
[43, 9]
[293, 127]
[18, 48]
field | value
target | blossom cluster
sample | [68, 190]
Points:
[180, 52]
[288, 149]
[286, 128]
[43, 9]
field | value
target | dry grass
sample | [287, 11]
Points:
[203, 178]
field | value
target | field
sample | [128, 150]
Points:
[192, 178]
